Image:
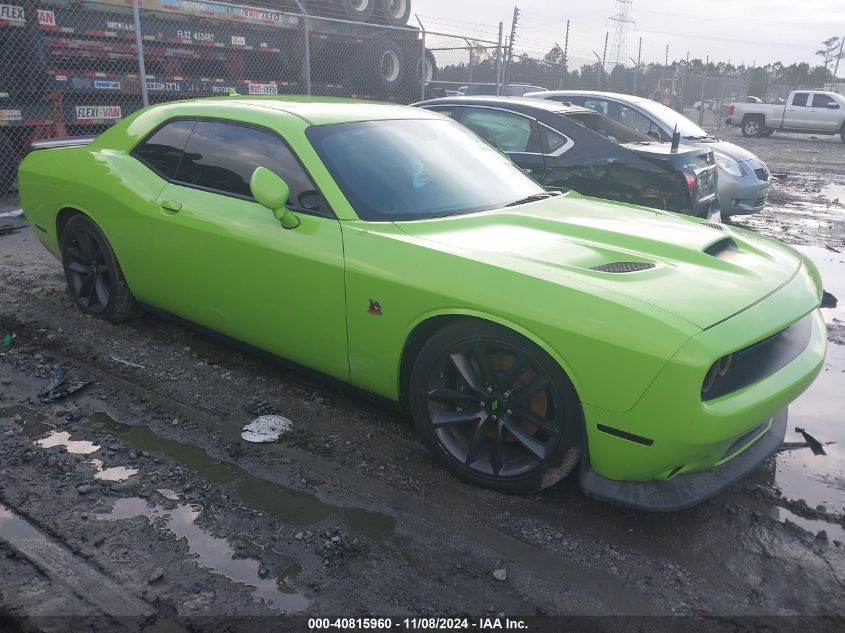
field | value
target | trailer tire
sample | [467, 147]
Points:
[753, 126]
[354, 10]
[8, 164]
[393, 12]
[379, 68]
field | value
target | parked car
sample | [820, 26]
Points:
[529, 333]
[576, 148]
[806, 112]
[510, 90]
[743, 178]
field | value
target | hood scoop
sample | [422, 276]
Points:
[622, 267]
[724, 248]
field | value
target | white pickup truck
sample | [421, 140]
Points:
[805, 112]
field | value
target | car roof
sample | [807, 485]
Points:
[313, 110]
[516, 103]
[588, 93]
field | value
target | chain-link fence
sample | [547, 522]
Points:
[71, 68]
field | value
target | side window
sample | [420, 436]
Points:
[800, 99]
[222, 156]
[638, 121]
[599, 105]
[162, 150]
[503, 130]
[823, 101]
[554, 140]
[449, 111]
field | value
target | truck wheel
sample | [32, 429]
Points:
[768, 131]
[752, 126]
[418, 68]
[380, 67]
[355, 10]
[393, 12]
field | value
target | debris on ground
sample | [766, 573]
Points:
[500, 574]
[59, 387]
[812, 442]
[123, 361]
[7, 229]
[7, 340]
[256, 406]
[828, 300]
[14, 213]
[267, 428]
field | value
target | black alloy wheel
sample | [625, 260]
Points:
[497, 409]
[95, 280]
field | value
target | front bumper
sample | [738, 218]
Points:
[689, 489]
[741, 195]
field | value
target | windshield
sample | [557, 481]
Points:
[670, 119]
[608, 128]
[414, 169]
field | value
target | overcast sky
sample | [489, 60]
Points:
[743, 31]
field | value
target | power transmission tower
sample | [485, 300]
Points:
[621, 22]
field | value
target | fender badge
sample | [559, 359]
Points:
[375, 307]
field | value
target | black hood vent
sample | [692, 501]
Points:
[714, 225]
[622, 267]
[724, 248]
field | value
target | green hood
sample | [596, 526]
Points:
[693, 270]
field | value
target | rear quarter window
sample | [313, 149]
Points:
[163, 151]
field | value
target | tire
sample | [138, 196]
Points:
[393, 12]
[535, 439]
[95, 281]
[379, 67]
[768, 131]
[417, 67]
[752, 127]
[354, 10]
[842, 134]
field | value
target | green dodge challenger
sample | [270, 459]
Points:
[529, 333]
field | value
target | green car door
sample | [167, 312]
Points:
[225, 261]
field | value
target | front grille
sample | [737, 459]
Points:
[762, 173]
[622, 267]
[760, 360]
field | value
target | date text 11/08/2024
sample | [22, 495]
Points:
[418, 624]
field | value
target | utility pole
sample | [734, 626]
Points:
[565, 53]
[667, 56]
[509, 57]
[600, 70]
[499, 53]
[835, 68]
[637, 66]
[604, 55]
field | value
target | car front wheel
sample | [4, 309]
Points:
[94, 278]
[496, 408]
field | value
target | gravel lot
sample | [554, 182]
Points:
[349, 515]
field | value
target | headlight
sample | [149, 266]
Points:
[728, 164]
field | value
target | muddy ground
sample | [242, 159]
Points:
[135, 502]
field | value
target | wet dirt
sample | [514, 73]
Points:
[352, 501]
[214, 553]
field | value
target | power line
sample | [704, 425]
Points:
[621, 21]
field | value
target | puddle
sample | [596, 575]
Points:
[215, 554]
[116, 473]
[834, 531]
[834, 193]
[290, 506]
[16, 530]
[62, 438]
[34, 422]
[832, 268]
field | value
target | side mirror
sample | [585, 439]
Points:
[270, 191]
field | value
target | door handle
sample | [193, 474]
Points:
[171, 205]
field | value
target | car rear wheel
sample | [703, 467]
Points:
[752, 127]
[94, 278]
[496, 408]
